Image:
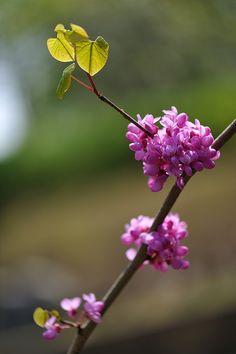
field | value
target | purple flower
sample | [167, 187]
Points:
[93, 309]
[179, 148]
[138, 139]
[135, 228]
[71, 305]
[131, 254]
[52, 329]
[164, 247]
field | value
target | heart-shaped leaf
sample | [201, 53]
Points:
[59, 48]
[55, 313]
[80, 31]
[40, 316]
[65, 82]
[92, 55]
[60, 28]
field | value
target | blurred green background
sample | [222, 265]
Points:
[69, 183]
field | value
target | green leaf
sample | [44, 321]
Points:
[102, 43]
[77, 33]
[65, 82]
[60, 49]
[60, 28]
[92, 55]
[56, 314]
[80, 31]
[40, 316]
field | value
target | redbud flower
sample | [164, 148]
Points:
[52, 328]
[135, 228]
[163, 245]
[179, 148]
[71, 305]
[93, 308]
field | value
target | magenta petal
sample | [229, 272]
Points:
[209, 164]
[89, 297]
[177, 263]
[131, 253]
[181, 119]
[207, 140]
[50, 334]
[139, 155]
[185, 264]
[146, 238]
[198, 166]
[50, 322]
[127, 239]
[99, 306]
[75, 303]
[66, 304]
[182, 251]
[96, 318]
[163, 267]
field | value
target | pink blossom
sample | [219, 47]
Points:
[177, 149]
[163, 245]
[135, 228]
[52, 329]
[71, 305]
[131, 254]
[93, 308]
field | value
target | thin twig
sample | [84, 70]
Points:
[69, 323]
[118, 109]
[84, 333]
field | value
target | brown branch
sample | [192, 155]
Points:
[118, 109]
[84, 333]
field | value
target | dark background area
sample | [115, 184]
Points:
[68, 182]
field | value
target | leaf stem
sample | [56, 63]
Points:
[85, 331]
[93, 85]
[82, 83]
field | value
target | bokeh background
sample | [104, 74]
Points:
[68, 182]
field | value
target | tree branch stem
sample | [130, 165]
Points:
[85, 331]
[118, 109]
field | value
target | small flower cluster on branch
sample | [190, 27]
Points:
[52, 322]
[163, 245]
[179, 147]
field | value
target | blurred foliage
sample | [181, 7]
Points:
[66, 144]
[162, 53]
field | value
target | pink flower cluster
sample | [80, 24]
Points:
[92, 310]
[52, 328]
[163, 245]
[179, 148]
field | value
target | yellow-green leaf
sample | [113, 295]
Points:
[65, 82]
[102, 43]
[56, 314]
[60, 28]
[92, 55]
[60, 49]
[77, 34]
[80, 31]
[40, 316]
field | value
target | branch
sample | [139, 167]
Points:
[84, 333]
[118, 109]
